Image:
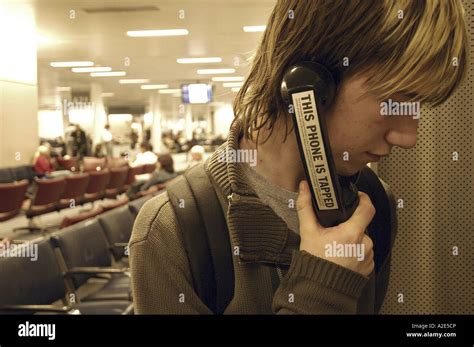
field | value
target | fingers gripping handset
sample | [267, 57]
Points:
[309, 90]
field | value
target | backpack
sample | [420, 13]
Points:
[206, 236]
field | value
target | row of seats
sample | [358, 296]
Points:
[26, 172]
[17, 173]
[59, 193]
[90, 254]
[77, 218]
[93, 212]
[97, 164]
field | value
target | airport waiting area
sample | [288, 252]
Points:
[87, 138]
[68, 239]
[165, 158]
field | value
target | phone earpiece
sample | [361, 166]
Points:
[309, 75]
[310, 88]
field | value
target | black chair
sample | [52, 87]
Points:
[84, 252]
[136, 205]
[117, 225]
[24, 172]
[17, 173]
[28, 287]
[6, 175]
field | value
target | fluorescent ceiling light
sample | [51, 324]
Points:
[214, 71]
[154, 33]
[154, 86]
[232, 84]
[107, 95]
[133, 81]
[228, 79]
[169, 91]
[254, 28]
[71, 63]
[91, 69]
[198, 60]
[63, 89]
[108, 74]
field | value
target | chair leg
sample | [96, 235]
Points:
[50, 228]
[32, 227]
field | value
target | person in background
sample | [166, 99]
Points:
[181, 142]
[107, 143]
[59, 141]
[147, 134]
[197, 156]
[146, 156]
[133, 139]
[69, 139]
[164, 172]
[98, 151]
[89, 146]
[79, 146]
[42, 161]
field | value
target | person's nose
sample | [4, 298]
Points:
[403, 134]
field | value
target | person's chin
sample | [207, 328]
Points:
[349, 169]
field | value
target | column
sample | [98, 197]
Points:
[18, 84]
[155, 109]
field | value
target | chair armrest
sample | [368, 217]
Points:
[95, 270]
[120, 244]
[36, 308]
[129, 310]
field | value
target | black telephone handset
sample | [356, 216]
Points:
[309, 89]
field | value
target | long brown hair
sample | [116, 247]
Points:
[414, 47]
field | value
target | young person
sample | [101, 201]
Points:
[146, 155]
[413, 51]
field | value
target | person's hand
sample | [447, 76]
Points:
[349, 236]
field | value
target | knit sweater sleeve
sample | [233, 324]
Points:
[162, 282]
[313, 285]
[161, 279]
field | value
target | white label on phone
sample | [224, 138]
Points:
[315, 155]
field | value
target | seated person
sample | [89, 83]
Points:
[163, 173]
[146, 156]
[42, 161]
[197, 156]
[99, 151]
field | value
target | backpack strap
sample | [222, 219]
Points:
[383, 227]
[205, 235]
